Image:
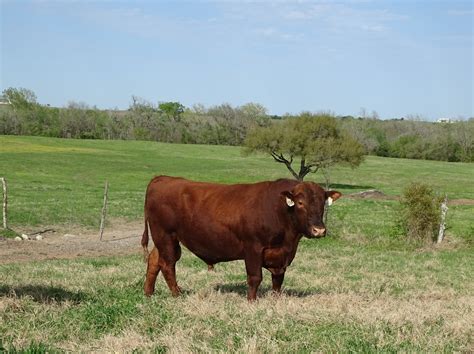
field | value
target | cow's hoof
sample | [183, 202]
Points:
[176, 292]
[149, 292]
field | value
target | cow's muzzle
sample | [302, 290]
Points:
[317, 231]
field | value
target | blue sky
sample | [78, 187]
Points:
[397, 58]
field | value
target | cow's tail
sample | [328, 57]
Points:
[145, 239]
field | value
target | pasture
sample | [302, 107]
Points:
[362, 288]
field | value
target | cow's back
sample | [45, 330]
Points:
[215, 221]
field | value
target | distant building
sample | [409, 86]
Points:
[444, 120]
[4, 100]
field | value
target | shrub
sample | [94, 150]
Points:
[420, 214]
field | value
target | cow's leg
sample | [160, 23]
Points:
[253, 265]
[168, 253]
[169, 256]
[278, 274]
[152, 271]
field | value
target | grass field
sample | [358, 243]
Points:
[338, 297]
[57, 181]
[361, 289]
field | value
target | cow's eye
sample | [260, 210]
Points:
[300, 203]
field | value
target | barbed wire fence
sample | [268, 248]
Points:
[37, 208]
[34, 206]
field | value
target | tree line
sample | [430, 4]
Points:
[165, 121]
[228, 125]
[414, 139]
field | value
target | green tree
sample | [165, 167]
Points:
[315, 140]
[256, 113]
[140, 105]
[172, 110]
[20, 98]
[463, 135]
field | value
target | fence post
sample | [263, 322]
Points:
[326, 205]
[5, 202]
[442, 225]
[104, 209]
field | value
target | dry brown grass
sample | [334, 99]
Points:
[335, 299]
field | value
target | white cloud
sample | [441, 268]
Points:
[375, 28]
[273, 33]
[284, 21]
[266, 32]
[292, 37]
[131, 20]
[297, 15]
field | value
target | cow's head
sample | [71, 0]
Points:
[306, 202]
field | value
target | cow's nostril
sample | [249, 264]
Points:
[318, 231]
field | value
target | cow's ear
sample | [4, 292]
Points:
[289, 198]
[331, 196]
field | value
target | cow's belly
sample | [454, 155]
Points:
[214, 243]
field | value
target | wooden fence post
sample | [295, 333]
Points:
[326, 205]
[5, 202]
[442, 225]
[104, 209]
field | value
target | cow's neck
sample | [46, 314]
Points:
[294, 240]
[293, 234]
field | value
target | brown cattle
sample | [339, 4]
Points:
[260, 223]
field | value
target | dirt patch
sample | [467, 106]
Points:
[120, 238]
[370, 194]
[461, 202]
[376, 194]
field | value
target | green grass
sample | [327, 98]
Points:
[337, 298]
[58, 181]
[8, 233]
[361, 289]
[392, 175]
